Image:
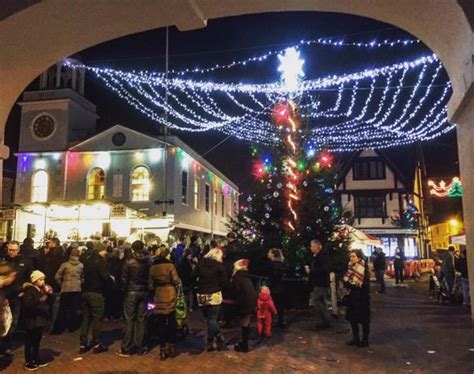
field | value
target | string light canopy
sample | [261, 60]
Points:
[382, 107]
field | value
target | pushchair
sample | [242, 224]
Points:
[181, 316]
[439, 289]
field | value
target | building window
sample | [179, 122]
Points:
[222, 204]
[96, 184]
[207, 197]
[39, 187]
[184, 187]
[140, 184]
[215, 203]
[197, 195]
[369, 206]
[368, 168]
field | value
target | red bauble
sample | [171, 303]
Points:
[281, 113]
[325, 159]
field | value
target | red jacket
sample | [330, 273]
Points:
[265, 306]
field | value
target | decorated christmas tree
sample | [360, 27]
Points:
[294, 200]
[409, 217]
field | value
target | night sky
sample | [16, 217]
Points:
[225, 40]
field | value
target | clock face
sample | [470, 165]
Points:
[43, 127]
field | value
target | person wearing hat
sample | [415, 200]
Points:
[34, 318]
[246, 297]
[96, 277]
[69, 277]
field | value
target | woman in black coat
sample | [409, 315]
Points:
[276, 270]
[211, 280]
[357, 281]
[246, 298]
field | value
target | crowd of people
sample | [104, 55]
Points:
[58, 288]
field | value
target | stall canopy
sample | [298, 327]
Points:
[360, 239]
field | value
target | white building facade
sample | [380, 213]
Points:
[374, 191]
[76, 185]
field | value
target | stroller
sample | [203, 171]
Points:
[181, 316]
[438, 289]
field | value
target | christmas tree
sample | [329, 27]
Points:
[456, 188]
[294, 200]
[410, 215]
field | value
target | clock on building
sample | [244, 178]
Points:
[43, 127]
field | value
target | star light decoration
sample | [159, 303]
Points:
[291, 68]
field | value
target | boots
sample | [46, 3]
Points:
[171, 350]
[355, 335]
[365, 335]
[163, 353]
[243, 346]
[220, 342]
[210, 346]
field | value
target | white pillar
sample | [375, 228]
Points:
[465, 132]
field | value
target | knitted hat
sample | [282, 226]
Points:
[215, 254]
[36, 275]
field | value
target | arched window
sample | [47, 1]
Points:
[39, 187]
[96, 184]
[140, 184]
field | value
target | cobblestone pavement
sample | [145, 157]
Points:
[410, 334]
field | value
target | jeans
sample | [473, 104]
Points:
[449, 282]
[93, 312]
[465, 291]
[318, 300]
[399, 275]
[54, 301]
[210, 313]
[379, 275]
[166, 328]
[189, 297]
[32, 343]
[68, 313]
[134, 309]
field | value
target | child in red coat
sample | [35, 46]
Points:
[265, 310]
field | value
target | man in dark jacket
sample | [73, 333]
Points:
[233, 252]
[134, 284]
[318, 271]
[379, 268]
[23, 268]
[50, 260]
[96, 277]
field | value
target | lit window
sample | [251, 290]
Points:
[184, 187]
[197, 185]
[140, 185]
[96, 184]
[39, 187]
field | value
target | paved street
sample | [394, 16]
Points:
[410, 334]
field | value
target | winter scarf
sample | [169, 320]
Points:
[355, 274]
